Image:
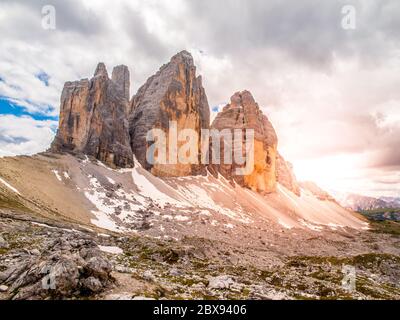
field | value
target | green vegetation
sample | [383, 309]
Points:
[383, 220]
[371, 213]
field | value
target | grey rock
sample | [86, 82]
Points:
[3, 288]
[3, 243]
[221, 282]
[175, 272]
[118, 296]
[142, 298]
[148, 275]
[93, 284]
[35, 252]
[99, 267]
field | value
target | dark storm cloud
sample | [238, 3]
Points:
[71, 16]
[146, 43]
[309, 31]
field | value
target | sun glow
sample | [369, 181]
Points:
[331, 173]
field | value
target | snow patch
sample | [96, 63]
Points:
[110, 180]
[148, 189]
[9, 186]
[111, 249]
[310, 226]
[181, 218]
[57, 175]
[283, 224]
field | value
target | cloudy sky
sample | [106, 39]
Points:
[332, 93]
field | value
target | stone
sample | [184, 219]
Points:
[99, 267]
[221, 282]
[148, 275]
[244, 113]
[175, 272]
[119, 296]
[93, 118]
[174, 93]
[142, 298]
[123, 269]
[3, 288]
[61, 272]
[93, 284]
[35, 252]
[3, 243]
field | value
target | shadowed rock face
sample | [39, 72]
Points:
[244, 113]
[285, 175]
[174, 93]
[121, 77]
[93, 118]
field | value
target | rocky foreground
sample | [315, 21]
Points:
[42, 259]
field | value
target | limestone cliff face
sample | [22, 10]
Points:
[93, 118]
[174, 93]
[244, 113]
[316, 191]
[285, 175]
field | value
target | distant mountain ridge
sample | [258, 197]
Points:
[358, 202]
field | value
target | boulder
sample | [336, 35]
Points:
[221, 282]
[3, 243]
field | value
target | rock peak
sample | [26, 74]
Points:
[101, 70]
[174, 93]
[184, 56]
[121, 77]
[243, 98]
[244, 113]
[93, 120]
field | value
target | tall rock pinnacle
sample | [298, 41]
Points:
[244, 113]
[121, 77]
[93, 120]
[174, 93]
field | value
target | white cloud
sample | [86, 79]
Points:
[329, 92]
[24, 135]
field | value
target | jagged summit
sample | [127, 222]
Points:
[174, 93]
[101, 70]
[93, 120]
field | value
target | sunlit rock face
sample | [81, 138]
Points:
[285, 175]
[174, 93]
[93, 118]
[244, 113]
[316, 191]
